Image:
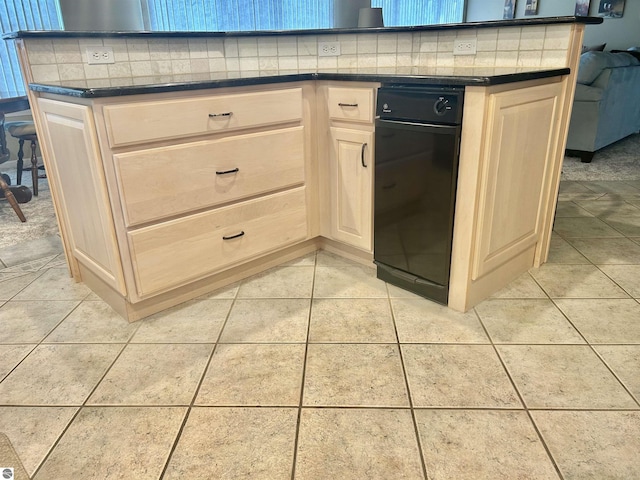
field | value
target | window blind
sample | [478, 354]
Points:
[22, 15]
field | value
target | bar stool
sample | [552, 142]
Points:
[25, 132]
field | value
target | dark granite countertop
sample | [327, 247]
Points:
[332, 31]
[449, 76]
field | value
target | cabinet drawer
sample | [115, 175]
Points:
[166, 119]
[176, 252]
[166, 181]
[353, 104]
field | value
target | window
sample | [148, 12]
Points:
[22, 15]
[238, 15]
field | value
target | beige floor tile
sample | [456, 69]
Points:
[583, 227]
[36, 249]
[356, 444]
[12, 286]
[329, 259]
[571, 209]
[11, 355]
[31, 321]
[628, 225]
[253, 375]
[34, 430]
[235, 443]
[421, 321]
[153, 375]
[57, 375]
[605, 208]
[197, 321]
[267, 321]
[592, 445]
[522, 287]
[624, 360]
[472, 445]
[351, 320]
[569, 186]
[54, 284]
[354, 375]
[604, 320]
[563, 376]
[93, 322]
[561, 251]
[627, 276]
[279, 282]
[348, 282]
[612, 186]
[104, 443]
[607, 251]
[526, 321]
[576, 281]
[457, 376]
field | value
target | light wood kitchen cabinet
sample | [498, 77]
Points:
[163, 194]
[350, 167]
[351, 171]
[505, 185]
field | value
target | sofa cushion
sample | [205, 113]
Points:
[593, 48]
[592, 63]
[585, 93]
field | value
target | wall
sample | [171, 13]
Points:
[617, 33]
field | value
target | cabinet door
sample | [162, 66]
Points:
[351, 173]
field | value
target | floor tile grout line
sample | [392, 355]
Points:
[601, 358]
[521, 397]
[421, 453]
[296, 439]
[191, 404]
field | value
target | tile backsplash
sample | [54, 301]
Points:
[64, 60]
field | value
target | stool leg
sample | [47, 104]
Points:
[34, 168]
[8, 194]
[20, 163]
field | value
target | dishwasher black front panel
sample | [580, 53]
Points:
[415, 184]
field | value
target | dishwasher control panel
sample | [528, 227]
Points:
[422, 105]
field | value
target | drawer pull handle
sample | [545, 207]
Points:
[231, 237]
[225, 114]
[225, 172]
[364, 145]
[347, 104]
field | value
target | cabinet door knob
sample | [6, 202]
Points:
[340, 104]
[364, 145]
[225, 172]
[231, 237]
[225, 114]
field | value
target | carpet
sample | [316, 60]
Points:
[619, 161]
[41, 219]
[9, 459]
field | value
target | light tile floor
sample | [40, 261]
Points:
[317, 370]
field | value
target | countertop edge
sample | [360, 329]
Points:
[325, 31]
[457, 80]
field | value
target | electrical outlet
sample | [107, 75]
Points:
[464, 46]
[328, 49]
[99, 55]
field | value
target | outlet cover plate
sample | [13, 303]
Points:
[328, 49]
[100, 55]
[465, 46]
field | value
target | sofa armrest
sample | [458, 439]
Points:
[587, 93]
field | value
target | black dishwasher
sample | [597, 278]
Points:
[417, 141]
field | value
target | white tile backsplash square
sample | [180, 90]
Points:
[230, 47]
[215, 48]
[487, 40]
[529, 58]
[405, 43]
[348, 44]
[267, 47]
[387, 43]
[307, 45]
[387, 60]
[287, 46]
[367, 43]
[509, 39]
[198, 48]
[247, 47]
[554, 58]
[72, 71]
[138, 49]
[288, 63]
[248, 63]
[119, 70]
[532, 38]
[557, 37]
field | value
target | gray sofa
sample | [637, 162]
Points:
[606, 107]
